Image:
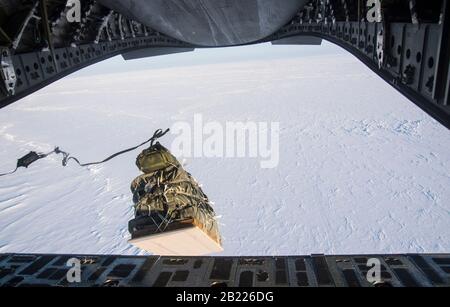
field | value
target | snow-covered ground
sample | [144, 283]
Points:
[361, 170]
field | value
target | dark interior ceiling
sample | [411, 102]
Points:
[210, 22]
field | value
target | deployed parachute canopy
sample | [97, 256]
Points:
[172, 214]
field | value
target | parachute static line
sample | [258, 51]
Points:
[33, 156]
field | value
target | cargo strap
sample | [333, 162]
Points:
[170, 188]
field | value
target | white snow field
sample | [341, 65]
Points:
[361, 169]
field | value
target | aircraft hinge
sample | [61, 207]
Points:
[7, 72]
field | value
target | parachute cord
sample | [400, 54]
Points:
[9, 173]
[66, 156]
[26, 160]
[32, 156]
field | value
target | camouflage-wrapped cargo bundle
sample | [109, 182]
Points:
[172, 214]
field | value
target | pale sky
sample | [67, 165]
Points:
[210, 56]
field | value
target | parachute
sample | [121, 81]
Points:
[172, 214]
